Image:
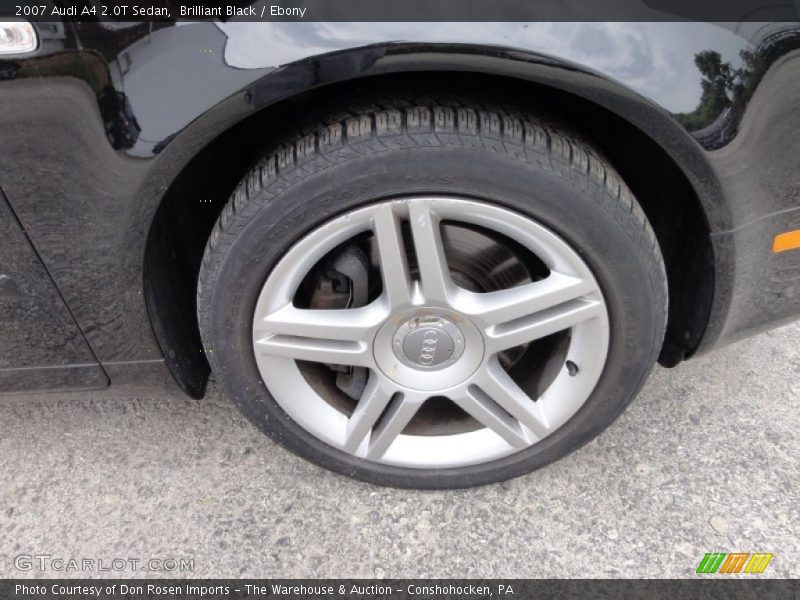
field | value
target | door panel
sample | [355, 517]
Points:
[41, 346]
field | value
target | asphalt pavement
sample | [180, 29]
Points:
[706, 459]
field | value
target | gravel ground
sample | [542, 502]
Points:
[705, 460]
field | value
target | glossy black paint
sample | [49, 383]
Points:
[42, 345]
[110, 131]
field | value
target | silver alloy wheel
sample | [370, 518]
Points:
[393, 337]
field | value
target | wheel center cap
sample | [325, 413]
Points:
[428, 348]
[428, 343]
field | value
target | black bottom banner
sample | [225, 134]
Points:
[341, 589]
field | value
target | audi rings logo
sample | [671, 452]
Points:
[428, 345]
[428, 350]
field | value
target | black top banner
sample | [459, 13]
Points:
[389, 589]
[403, 10]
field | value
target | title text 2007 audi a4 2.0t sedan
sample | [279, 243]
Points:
[426, 255]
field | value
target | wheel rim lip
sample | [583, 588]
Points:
[283, 378]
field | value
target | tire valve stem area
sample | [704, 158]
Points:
[572, 368]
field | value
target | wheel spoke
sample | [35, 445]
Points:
[328, 336]
[393, 258]
[351, 324]
[401, 410]
[370, 407]
[540, 324]
[433, 271]
[334, 352]
[498, 385]
[496, 308]
[487, 412]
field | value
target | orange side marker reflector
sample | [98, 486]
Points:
[786, 241]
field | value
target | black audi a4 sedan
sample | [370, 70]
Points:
[428, 255]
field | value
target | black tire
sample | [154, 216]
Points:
[451, 145]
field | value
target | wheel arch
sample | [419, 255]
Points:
[665, 168]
